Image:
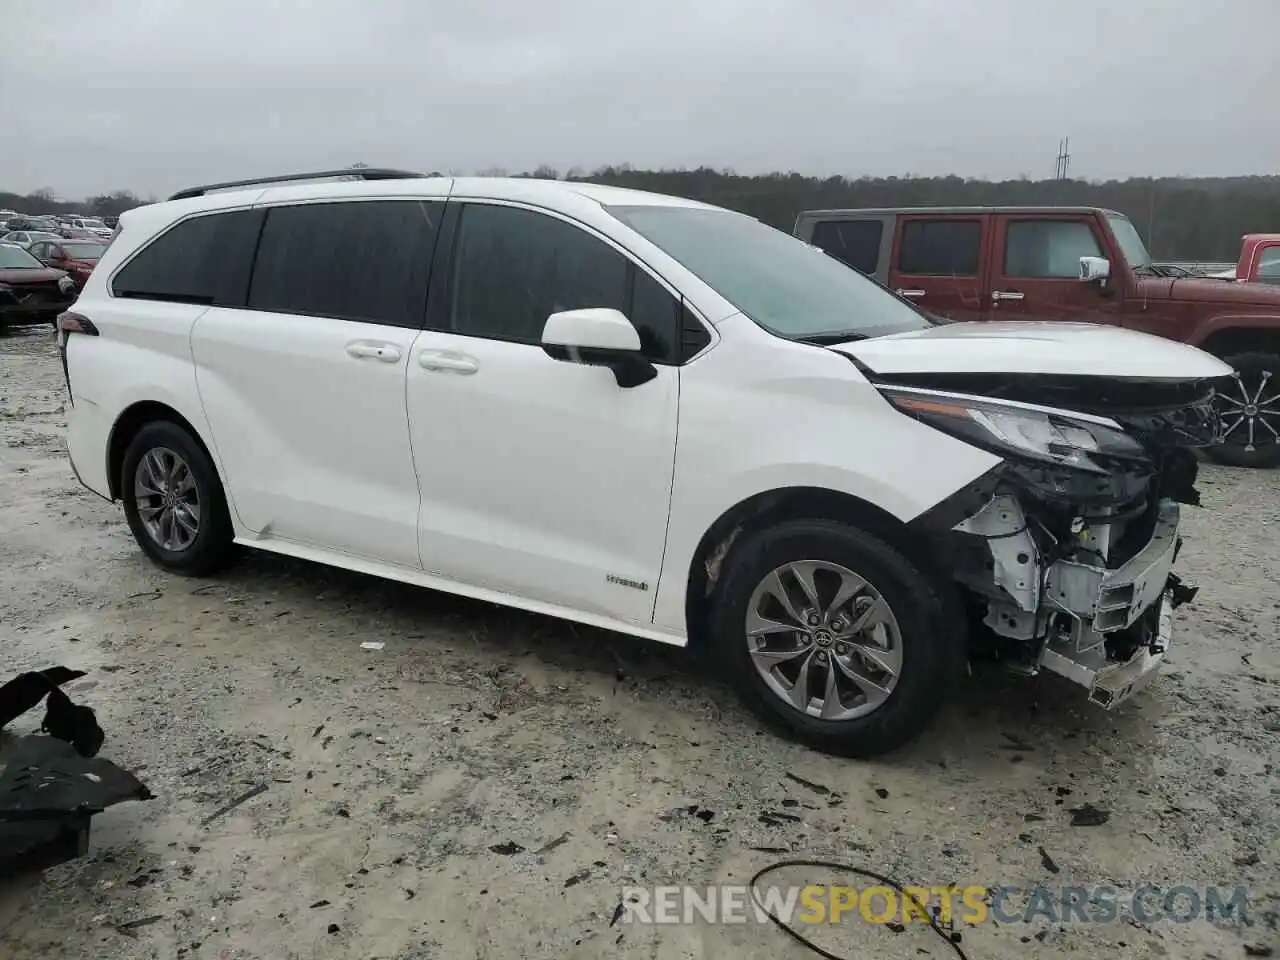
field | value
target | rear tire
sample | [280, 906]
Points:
[1250, 412]
[174, 501]
[824, 560]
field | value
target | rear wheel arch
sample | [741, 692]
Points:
[776, 506]
[128, 425]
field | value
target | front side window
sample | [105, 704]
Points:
[186, 263]
[1048, 249]
[366, 261]
[940, 248]
[783, 284]
[513, 268]
[854, 242]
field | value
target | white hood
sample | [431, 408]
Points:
[1064, 349]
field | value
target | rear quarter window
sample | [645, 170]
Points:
[204, 259]
[854, 242]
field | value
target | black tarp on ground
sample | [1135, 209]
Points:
[52, 785]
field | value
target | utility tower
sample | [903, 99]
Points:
[1064, 158]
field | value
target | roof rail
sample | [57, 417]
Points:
[362, 173]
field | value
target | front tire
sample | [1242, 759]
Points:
[1250, 412]
[835, 638]
[174, 501]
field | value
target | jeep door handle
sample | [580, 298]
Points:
[369, 350]
[909, 293]
[440, 361]
[998, 295]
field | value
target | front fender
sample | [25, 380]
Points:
[757, 416]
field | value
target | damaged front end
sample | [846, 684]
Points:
[1065, 551]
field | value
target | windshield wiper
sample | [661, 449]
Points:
[827, 339]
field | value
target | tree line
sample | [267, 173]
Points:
[1181, 218]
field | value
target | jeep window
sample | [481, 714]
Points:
[782, 283]
[854, 242]
[514, 268]
[184, 264]
[1269, 265]
[366, 261]
[1048, 249]
[1131, 245]
[940, 248]
[15, 258]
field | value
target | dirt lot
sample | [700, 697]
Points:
[391, 776]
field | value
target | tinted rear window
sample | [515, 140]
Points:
[855, 242]
[192, 262]
[363, 260]
[940, 248]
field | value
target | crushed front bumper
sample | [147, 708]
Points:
[1111, 684]
[1107, 629]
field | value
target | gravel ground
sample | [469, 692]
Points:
[486, 784]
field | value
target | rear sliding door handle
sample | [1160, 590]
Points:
[909, 293]
[998, 295]
[365, 350]
[441, 361]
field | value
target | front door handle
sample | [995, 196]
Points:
[999, 295]
[909, 293]
[369, 350]
[445, 360]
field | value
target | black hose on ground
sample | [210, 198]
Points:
[844, 868]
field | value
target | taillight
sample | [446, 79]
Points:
[72, 322]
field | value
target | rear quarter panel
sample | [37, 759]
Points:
[142, 352]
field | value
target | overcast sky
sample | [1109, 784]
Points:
[153, 95]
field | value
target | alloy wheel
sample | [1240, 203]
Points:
[824, 640]
[1251, 412]
[167, 498]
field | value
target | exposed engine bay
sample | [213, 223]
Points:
[1065, 551]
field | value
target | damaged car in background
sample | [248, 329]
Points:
[664, 419]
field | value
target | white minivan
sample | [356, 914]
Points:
[647, 414]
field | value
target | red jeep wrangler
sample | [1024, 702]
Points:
[1259, 259]
[1071, 263]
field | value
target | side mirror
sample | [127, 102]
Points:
[598, 337]
[1093, 269]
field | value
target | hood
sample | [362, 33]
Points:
[1211, 290]
[17, 276]
[1062, 349]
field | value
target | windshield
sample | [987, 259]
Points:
[785, 285]
[17, 258]
[83, 251]
[1131, 245]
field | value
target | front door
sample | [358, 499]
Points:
[937, 263]
[1035, 271]
[541, 478]
[304, 387]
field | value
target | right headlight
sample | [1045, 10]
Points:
[1020, 430]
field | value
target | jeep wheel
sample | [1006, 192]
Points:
[833, 637]
[1250, 411]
